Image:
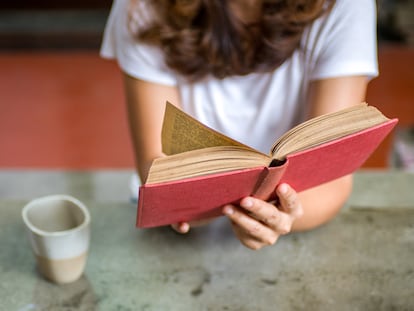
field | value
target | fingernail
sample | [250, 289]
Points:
[283, 188]
[228, 210]
[184, 228]
[247, 202]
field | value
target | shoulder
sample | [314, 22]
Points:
[344, 12]
[343, 41]
[119, 42]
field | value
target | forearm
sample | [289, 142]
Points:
[142, 154]
[144, 151]
[322, 203]
[145, 107]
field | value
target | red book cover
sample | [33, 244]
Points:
[202, 197]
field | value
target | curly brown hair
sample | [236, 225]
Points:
[228, 37]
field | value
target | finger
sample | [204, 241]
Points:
[250, 241]
[181, 227]
[268, 214]
[248, 227]
[289, 201]
[261, 210]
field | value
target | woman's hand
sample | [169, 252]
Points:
[257, 223]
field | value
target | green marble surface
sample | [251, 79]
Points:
[362, 260]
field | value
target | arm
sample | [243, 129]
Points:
[258, 223]
[322, 203]
[145, 107]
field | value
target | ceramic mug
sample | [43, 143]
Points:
[58, 227]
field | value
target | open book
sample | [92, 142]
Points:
[204, 170]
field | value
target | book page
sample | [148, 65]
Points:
[181, 132]
[326, 128]
[204, 162]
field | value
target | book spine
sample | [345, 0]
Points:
[267, 182]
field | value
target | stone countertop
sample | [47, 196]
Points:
[362, 260]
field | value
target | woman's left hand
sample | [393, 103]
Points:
[257, 223]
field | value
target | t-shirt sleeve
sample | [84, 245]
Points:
[138, 60]
[344, 42]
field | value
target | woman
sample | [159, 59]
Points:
[252, 70]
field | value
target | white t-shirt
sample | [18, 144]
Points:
[256, 109]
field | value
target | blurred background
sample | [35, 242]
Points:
[62, 106]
